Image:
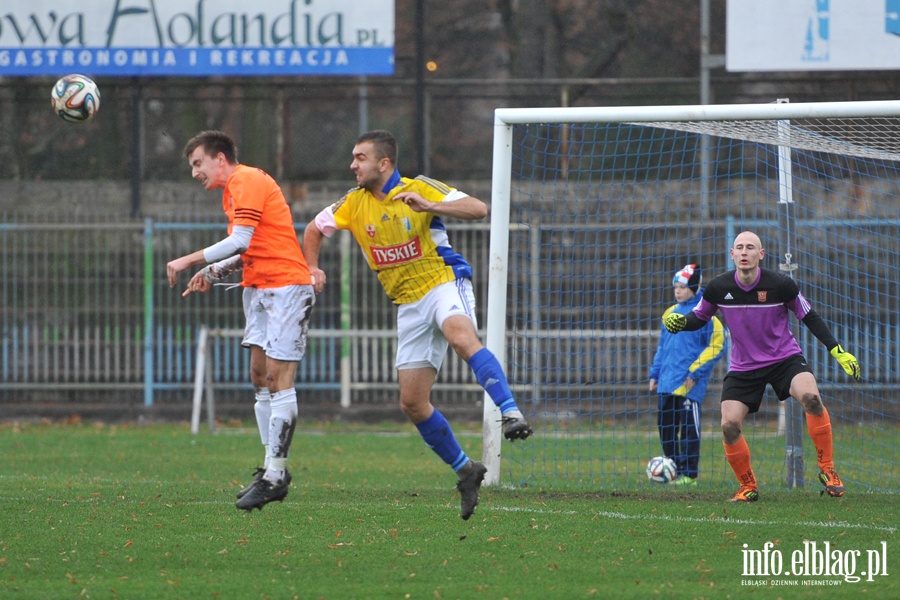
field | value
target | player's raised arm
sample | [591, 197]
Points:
[467, 208]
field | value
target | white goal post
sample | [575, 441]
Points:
[853, 145]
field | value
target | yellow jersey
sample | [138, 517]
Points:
[409, 250]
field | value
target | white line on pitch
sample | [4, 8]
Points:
[623, 516]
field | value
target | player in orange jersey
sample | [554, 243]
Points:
[278, 295]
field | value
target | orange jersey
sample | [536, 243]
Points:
[253, 199]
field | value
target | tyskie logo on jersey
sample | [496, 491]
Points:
[386, 256]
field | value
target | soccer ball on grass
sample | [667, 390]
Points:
[75, 98]
[661, 469]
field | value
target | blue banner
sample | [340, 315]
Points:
[892, 17]
[101, 62]
[197, 37]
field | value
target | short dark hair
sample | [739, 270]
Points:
[384, 143]
[213, 142]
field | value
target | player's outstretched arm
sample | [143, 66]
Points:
[312, 245]
[820, 329]
[203, 279]
[174, 267]
[198, 284]
[675, 322]
[847, 361]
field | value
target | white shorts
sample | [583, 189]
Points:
[421, 343]
[278, 320]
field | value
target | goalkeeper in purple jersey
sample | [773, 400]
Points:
[756, 303]
[397, 223]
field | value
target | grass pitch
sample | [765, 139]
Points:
[103, 511]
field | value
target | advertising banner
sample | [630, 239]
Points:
[196, 37]
[812, 35]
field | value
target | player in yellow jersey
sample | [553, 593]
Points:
[278, 295]
[397, 222]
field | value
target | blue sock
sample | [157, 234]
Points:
[491, 377]
[437, 434]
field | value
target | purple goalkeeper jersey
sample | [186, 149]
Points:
[756, 315]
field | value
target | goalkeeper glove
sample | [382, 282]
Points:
[847, 360]
[674, 322]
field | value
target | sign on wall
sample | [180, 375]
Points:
[812, 35]
[197, 37]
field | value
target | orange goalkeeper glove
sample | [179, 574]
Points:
[847, 360]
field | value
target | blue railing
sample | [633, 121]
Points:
[88, 306]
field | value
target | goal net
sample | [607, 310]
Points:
[594, 209]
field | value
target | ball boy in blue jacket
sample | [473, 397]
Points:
[679, 375]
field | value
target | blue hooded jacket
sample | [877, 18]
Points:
[693, 353]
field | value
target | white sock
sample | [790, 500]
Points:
[281, 431]
[263, 410]
[273, 475]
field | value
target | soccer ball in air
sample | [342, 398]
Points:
[75, 98]
[661, 469]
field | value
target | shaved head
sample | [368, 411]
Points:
[748, 237]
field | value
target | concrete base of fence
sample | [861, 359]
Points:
[231, 406]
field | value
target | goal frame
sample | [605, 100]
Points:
[504, 121]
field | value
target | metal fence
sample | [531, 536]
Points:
[86, 309]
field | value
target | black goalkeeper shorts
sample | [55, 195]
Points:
[748, 387]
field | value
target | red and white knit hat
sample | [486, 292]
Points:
[688, 275]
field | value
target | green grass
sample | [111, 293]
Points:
[99, 511]
[605, 456]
